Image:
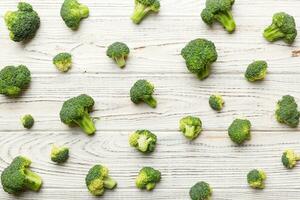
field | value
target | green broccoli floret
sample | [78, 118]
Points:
[147, 178]
[283, 27]
[289, 158]
[287, 111]
[201, 191]
[13, 80]
[216, 102]
[75, 111]
[119, 52]
[143, 140]
[143, 8]
[72, 12]
[17, 177]
[256, 71]
[23, 23]
[63, 61]
[219, 10]
[142, 91]
[59, 154]
[256, 179]
[191, 127]
[27, 121]
[97, 180]
[239, 131]
[199, 54]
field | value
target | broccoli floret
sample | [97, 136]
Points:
[75, 111]
[256, 71]
[143, 140]
[97, 180]
[256, 179]
[17, 177]
[119, 52]
[199, 54]
[147, 178]
[23, 23]
[59, 154]
[201, 191]
[219, 10]
[143, 8]
[283, 27]
[142, 91]
[13, 80]
[72, 12]
[239, 131]
[191, 127]
[27, 121]
[63, 61]
[289, 158]
[287, 111]
[216, 102]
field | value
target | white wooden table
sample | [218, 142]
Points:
[155, 55]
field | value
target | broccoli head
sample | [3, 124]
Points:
[142, 91]
[23, 23]
[190, 126]
[143, 8]
[256, 179]
[283, 27]
[17, 177]
[72, 12]
[118, 51]
[256, 71]
[143, 140]
[13, 80]
[75, 112]
[219, 10]
[59, 154]
[201, 191]
[63, 61]
[98, 179]
[147, 178]
[216, 102]
[27, 121]
[239, 131]
[289, 158]
[287, 111]
[199, 54]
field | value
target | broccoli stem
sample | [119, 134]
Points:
[33, 181]
[139, 13]
[143, 143]
[226, 19]
[189, 131]
[272, 33]
[109, 183]
[84, 11]
[150, 101]
[150, 186]
[87, 124]
[121, 62]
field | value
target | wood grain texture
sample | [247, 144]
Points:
[155, 55]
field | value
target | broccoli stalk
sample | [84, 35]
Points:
[142, 8]
[33, 180]
[226, 19]
[86, 123]
[272, 33]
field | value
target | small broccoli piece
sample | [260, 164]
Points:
[239, 131]
[13, 80]
[287, 111]
[191, 127]
[75, 111]
[216, 102]
[59, 154]
[256, 71]
[289, 158]
[119, 52]
[17, 177]
[72, 12]
[143, 140]
[256, 179]
[199, 54]
[283, 27]
[147, 178]
[142, 91]
[201, 191]
[27, 121]
[219, 10]
[98, 179]
[63, 61]
[143, 8]
[23, 23]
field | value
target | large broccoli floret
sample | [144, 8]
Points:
[147, 178]
[287, 111]
[219, 10]
[72, 12]
[142, 91]
[119, 52]
[63, 61]
[256, 71]
[199, 54]
[201, 191]
[23, 23]
[190, 126]
[283, 27]
[75, 111]
[59, 154]
[27, 121]
[13, 80]
[144, 7]
[97, 180]
[239, 131]
[256, 179]
[216, 102]
[17, 177]
[143, 140]
[289, 158]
